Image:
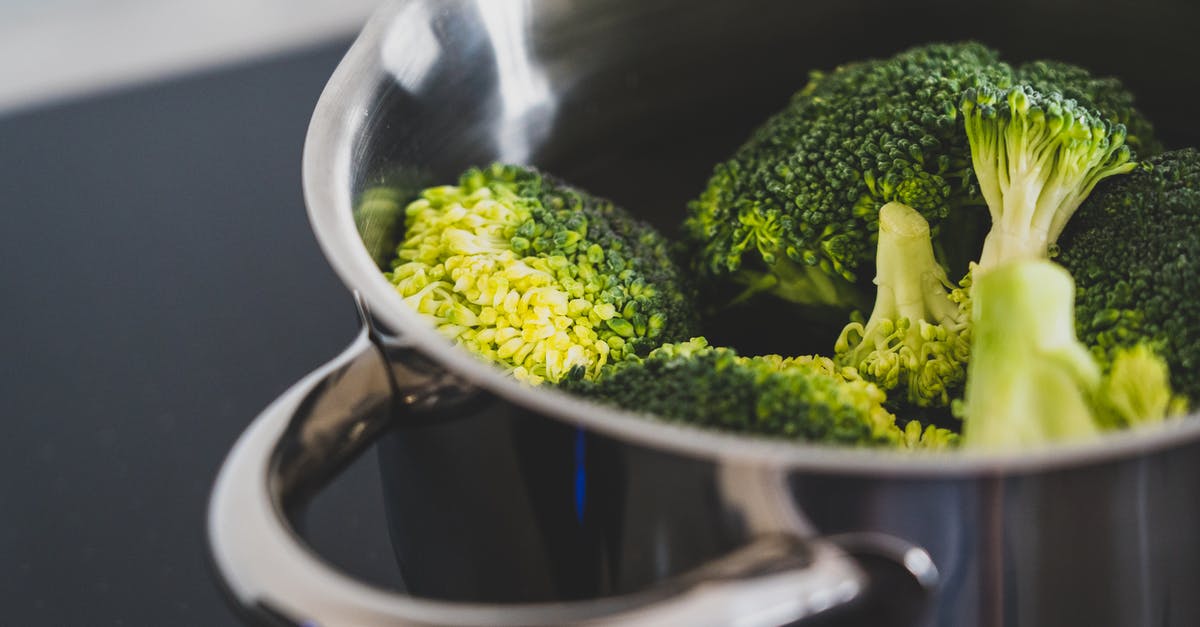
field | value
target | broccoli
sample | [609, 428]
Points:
[806, 398]
[1134, 250]
[1105, 95]
[794, 211]
[1030, 380]
[917, 338]
[1036, 156]
[537, 276]
[1137, 389]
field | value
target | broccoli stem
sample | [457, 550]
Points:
[911, 283]
[916, 335]
[1036, 157]
[1029, 379]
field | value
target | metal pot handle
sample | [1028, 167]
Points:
[308, 434]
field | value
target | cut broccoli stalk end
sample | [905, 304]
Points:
[916, 336]
[1036, 157]
[1029, 380]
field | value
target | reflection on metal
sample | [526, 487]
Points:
[761, 498]
[528, 105]
[912, 558]
[409, 48]
[326, 419]
[918, 562]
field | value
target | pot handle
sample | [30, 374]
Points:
[319, 425]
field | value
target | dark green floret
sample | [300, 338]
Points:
[1134, 250]
[537, 276]
[794, 212]
[802, 398]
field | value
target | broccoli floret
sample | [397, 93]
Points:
[1031, 381]
[1105, 95]
[917, 338]
[1134, 250]
[806, 398]
[794, 211]
[537, 276]
[1137, 389]
[1037, 157]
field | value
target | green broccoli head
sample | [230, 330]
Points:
[1134, 250]
[794, 211]
[1031, 381]
[1037, 157]
[537, 276]
[805, 398]
[1103, 94]
[917, 339]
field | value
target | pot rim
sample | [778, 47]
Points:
[340, 114]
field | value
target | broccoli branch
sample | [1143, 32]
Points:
[916, 336]
[1029, 380]
[1037, 157]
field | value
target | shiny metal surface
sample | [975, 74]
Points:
[636, 101]
[307, 434]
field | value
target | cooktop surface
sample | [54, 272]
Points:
[161, 286]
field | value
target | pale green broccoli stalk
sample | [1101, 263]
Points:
[538, 277]
[1036, 157]
[801, 398]
[917, 338]
[1030, 381]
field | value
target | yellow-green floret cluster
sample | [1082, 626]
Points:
[917, 338]
[539, 277]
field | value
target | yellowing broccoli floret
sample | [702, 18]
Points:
[537, 276]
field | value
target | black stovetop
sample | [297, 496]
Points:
[161, 285]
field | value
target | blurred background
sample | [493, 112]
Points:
[54, 49]
[161, 285]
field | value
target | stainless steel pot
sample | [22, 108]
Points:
[548, 510]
